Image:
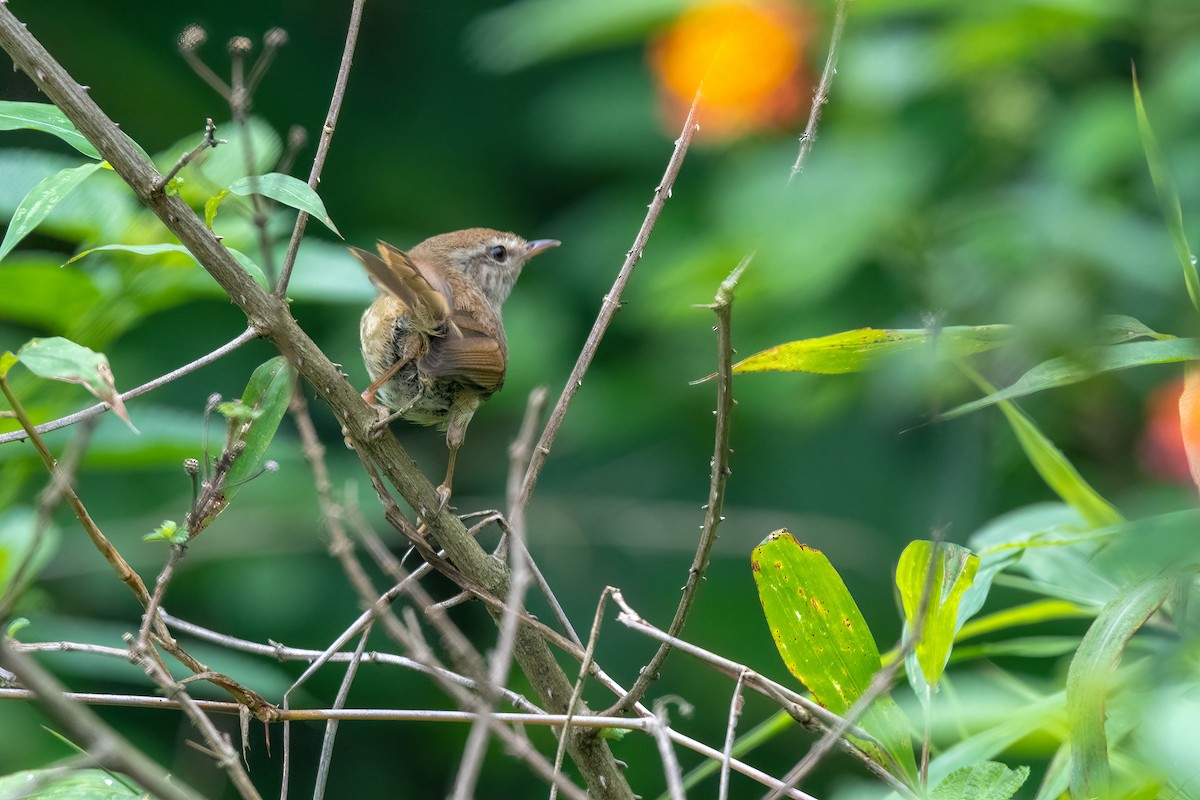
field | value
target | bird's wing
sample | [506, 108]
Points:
[420, 287]
[468, 353]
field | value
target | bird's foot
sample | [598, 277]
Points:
[443, 493]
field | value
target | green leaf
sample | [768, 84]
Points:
[61, 359]
[1026, 614]
[954, 569]
[47, 118]
[7, 360]
[857, 350]
[167, 531]
[40, 201]
[1120, 328]
[1168, 197]
[85, 784]
[987, 781]
[292, 192]
[156, 249]
[1053, 467]
[824, 640]
[1088, 677]
[267, 395]
[1066, 370]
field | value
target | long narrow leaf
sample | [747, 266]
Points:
[1066, 370]
[1088, 677]
[1168, 197]
[857, 350]
[157, 249]
[46, 118]
[292, 192]
[40, 201]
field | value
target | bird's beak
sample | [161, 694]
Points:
[539, 245]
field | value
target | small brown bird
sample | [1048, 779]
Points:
[433, 341]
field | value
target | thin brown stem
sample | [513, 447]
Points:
[821, 95]
[314, 176]
[162, 380]
[210, 141]
[612, 301]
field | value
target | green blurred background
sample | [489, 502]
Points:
[977, 163]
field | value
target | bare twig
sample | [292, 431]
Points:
[800, 708]
[100, 408]
[119, 565]
[719, 474]
[735, 711]
[314, 176]
[209, 141]
[821, 95]
[331, 726]
[521, 576]
[240, 100]
[584, 666]
[190, 40]
[612, 301]
[90, 732]
[665, 753]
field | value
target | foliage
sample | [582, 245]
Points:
[975, 166]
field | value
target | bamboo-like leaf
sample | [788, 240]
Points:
[824, 640]
[1087, 680]
[1066, 370]
[987, 781]
[1168, 197]
[40, 201]
[857, 350]
[954, 569]
[1058, 473]
[157, 249]
[61, 359]
[46, 118]
[1121, 328]
[268, 393]
[292, 192]
[1053, 467]
[1025, 614]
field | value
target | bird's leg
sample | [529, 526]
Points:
[386, 419]
[377, 384]
[461, 411]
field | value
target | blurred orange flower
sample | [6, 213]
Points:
[749, 56]
[1170, 444]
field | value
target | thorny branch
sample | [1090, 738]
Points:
[716, 492]
[612, 301]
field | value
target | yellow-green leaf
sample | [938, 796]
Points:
[40, 201]
[825, 642]
[857, 350]
[953, 570]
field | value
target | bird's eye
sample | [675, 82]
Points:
[498, 254]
